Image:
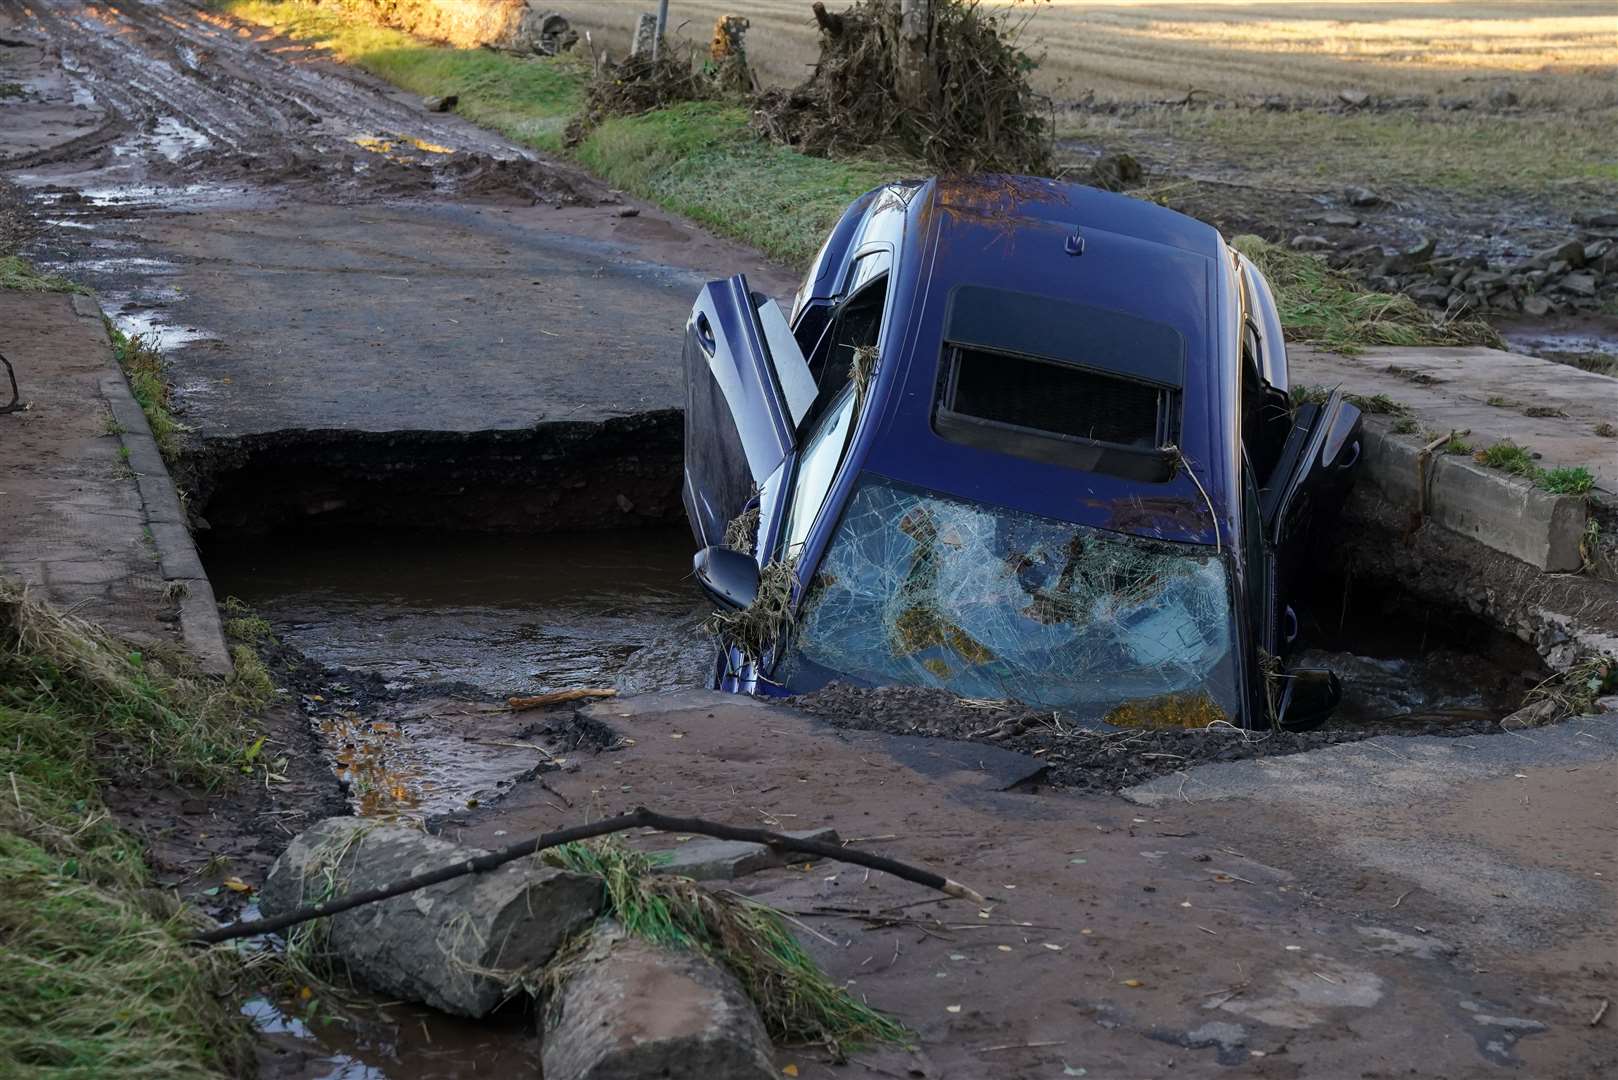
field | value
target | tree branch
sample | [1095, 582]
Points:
[642, 818]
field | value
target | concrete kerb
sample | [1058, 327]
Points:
[200, 626]
[1502, 512]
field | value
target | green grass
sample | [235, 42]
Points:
[98, 979]
[1567, 480]
[1328, 308]
[1509, 457]
[148, 381]
[17, 273]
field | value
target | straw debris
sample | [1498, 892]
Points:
[636, 85]
[795, 999]
[762, 623]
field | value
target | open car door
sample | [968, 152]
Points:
[747, 389]
[1306, 489]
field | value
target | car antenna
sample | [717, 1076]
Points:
[1074, 244]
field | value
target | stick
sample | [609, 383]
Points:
[1596, 1019]
[556, 697]
[642, 818]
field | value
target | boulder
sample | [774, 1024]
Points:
[630, 1009]
[1360, 196]
[1354, 99]
[447, 945]
[705, 859]
[1568, 251]
[1337, 219]
[1536, 306]
[1309, 243]
[1598, 219]
[440, 104]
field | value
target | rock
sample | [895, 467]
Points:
[1454, 104]
[1609, 261]
[440, 104]
[436, 944]
[1359, 196]
[1485, 279]
[1114, 172]
[1336, 219]
[1409, 259]
[625, 503]
[1598, 219]
[645, 34]
[1354, 99]
[1503, 301]
[1568, 251]
[1435, 294]
[725, 860]
[1536, 306]
[1276, 103]
[1309, 243]
[632, 1009]
[1502, 97]
[1578, 284]
[1380, 939]
[629, 211]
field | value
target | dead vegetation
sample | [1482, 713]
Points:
[980, 114]
[636, 85]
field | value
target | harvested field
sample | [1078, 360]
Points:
[1557, 53]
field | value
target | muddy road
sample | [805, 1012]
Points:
[316, 251]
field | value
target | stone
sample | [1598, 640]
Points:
[1568, 251]
[1599, 219]
[724, 860]
[1578, 284]
[436, 945]
[645, 34]
[1309, 243]
[1360, 196]
[1503, 301]
[1536, 306]
[1454, 104]
[1276, 103]
[1354, 99]
[1502, 97]
[632, 1009]
[1608, 263]
[1435, 295]
[1337, 219]
[1380, 939]
[440, 104]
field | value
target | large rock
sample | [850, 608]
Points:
[447, 945]
[632, 1010]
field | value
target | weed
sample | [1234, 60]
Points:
[1378, 404]
[1606, 430]
[242, 624]
[1590, 545]
[111, 426]
[1545, 412]
[1305, 394]
[1498, 402]
[1406, 425]
[1567, 480]
[148, 381]
[1508, 457]
[1456, 445]
[1328, 308]
[1574, 692]
[17, 273]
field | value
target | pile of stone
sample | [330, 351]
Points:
[1577, 274]
[621, 1007]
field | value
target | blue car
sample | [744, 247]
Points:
[1018, 439]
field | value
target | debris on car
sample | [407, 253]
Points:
[1017, 439]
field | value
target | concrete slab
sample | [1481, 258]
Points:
[1453, 387]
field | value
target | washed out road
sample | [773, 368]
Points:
[315, 250]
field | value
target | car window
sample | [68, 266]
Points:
[817, 466]
[858, 322]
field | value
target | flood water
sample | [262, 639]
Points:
[505, 614]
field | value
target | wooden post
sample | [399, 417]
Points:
[915, 72]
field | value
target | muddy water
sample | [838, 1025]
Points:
[506, 615]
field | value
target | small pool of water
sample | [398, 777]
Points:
[508, 615]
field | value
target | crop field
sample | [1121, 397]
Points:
[1555, 52]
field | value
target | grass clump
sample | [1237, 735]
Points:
[1567, 480]
[758, 627]
[148, 381]
[795, 999]
[99, 980]
[1516, 460]
[1326, 307]
[19, 274]
[1508, 457]
[1574, 692]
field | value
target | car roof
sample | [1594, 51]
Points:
[975, 236]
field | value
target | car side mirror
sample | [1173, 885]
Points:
[729, 577]
[1310, 696]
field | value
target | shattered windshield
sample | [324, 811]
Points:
[922, 589]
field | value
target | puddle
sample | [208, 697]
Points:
[507, 615]
[1588, 342]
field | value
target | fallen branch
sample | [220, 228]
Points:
[556, 697]
[642, 818]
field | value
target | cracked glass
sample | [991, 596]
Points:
[922, 589]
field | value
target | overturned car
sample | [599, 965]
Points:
[1017, 439]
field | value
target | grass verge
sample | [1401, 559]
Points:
[99, 981]
[1326, 307]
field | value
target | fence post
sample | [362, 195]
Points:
[662, 26]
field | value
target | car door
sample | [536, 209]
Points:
[747, 389]
[1300, 501]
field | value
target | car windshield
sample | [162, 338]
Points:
[922, 589]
